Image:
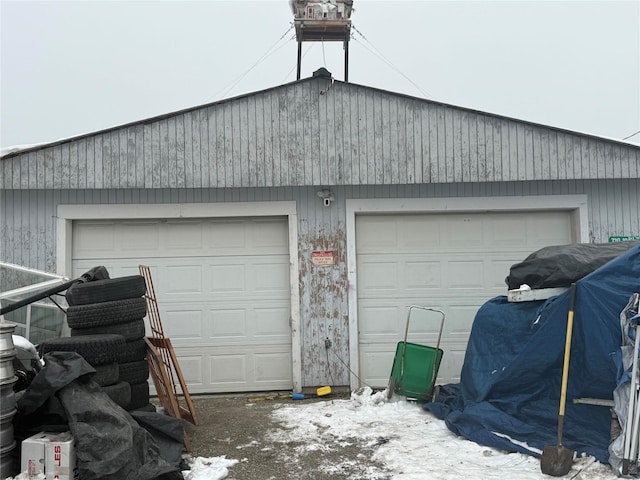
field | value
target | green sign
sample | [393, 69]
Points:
[622, 238]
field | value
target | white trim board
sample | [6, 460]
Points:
[68, 213]
[577, 204]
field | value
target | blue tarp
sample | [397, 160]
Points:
[509, 392]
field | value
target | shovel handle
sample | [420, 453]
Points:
[567, 354]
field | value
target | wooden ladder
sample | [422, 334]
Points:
[163, 364]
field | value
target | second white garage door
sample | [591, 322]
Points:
[222, 287]
[454, 262]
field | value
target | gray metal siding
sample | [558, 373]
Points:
[282, 144]
[317, 133]
[28, 237]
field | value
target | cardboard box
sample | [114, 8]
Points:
[51, 454]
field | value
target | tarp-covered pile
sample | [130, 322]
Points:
[110, 444]
[509, 392]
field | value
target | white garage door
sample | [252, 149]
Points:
[223, 290]
[454, 262]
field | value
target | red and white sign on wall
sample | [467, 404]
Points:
[323, 257]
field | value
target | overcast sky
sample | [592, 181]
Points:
[75, 67]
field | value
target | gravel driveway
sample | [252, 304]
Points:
[238, 427]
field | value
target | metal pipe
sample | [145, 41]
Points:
[346, 60]
[38, 296]
[96, 273]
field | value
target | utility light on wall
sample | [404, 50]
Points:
[326, 196]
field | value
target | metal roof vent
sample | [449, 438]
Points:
[322, 73]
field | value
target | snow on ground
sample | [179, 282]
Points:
[402, 441]
[212, 468]
[407, 441]
[411, 442]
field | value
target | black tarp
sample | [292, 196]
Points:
[109, 443]
[562, 265]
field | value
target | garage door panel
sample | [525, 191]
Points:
[182, 279]
[182, 236]
[375, 363]
[552, 230]
[462, 230]
[454, 262]
[227, 278]
[459, 320]
[175, 238]
[378, 274]
[387, 323]
[97, 239]
[269, 234]
[228, 324]
[423, 274]
[419, 232]
[213, 278]
[498, 271]
[228, 368]
[506, 229]
[183, 324]
[452, 359]
[191, 366]
[271, 367]
[226, 235]
[385, 274]
[382, 321]
[234, 369]
[257, 277]
[133, 238]
[465, 274]
[379, 236]
[223, 291]
[271, 323]
[270, 278]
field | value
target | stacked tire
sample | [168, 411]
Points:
[101, 351]
[115, 306]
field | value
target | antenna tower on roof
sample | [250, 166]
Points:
[324, 21]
